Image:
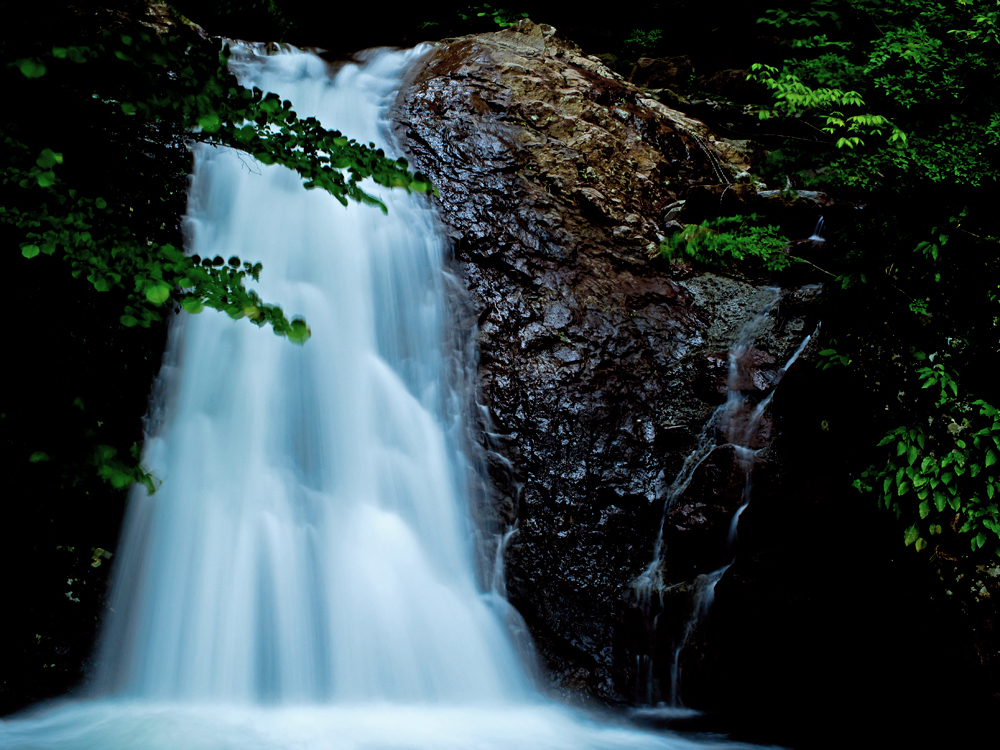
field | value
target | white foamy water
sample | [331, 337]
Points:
[305, 576]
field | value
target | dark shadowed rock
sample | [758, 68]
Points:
[672, 73]
[554, 176]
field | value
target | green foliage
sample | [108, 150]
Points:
[943, 475]
[501, 16]
[796, 99]
[918, 266]
[912, 62]
[641, 43]
[470, 18]
[819, 13]
[832, 358]
[727, 241]
[90, 192]
[189, 87]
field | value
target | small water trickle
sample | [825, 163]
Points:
[817, 235]
[733, 423]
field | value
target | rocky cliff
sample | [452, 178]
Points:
[601, 365]
[600, 362]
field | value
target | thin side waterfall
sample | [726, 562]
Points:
[306, 577]
[817, 235]
[734, 423]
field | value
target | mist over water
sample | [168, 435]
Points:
[305, 577]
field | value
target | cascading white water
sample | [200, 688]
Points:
[309, 540]
[305, 576]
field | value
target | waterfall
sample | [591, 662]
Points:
[733, 423]
[817, 235]
[305, 577]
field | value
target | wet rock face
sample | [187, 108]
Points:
[555, 176]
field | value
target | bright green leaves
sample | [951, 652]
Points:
[298, 331]
[157, 292]
[714, 244]
[193, 305]
[209, 123]
[183, 87]
[935, 480]
[795, 99]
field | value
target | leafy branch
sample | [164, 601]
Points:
[714, 243]
[186, 87]
[944, 475]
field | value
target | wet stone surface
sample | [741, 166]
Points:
[596, 361]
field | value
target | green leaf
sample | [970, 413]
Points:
[911, 456]
[48, 158]
[30, 251]
[193, 305]
[940, 501]
[101, 203]
[158, 293]
[299, 332]
[991, 457]
[244, 134]
[210, 123]
[38, 456]
[128, 321]
[910, 535]
[31, 68]
[921, 544]
[924, 509]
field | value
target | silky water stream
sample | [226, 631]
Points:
[734, 423]
[305, 577]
